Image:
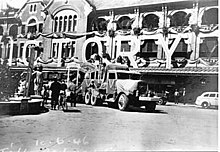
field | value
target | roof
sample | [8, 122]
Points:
[110, 4]
[187, 71]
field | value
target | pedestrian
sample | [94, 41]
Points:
[55, 88]
[72, 88]
[62, 95]
[45, 94]
[176, 96]
[183, 95]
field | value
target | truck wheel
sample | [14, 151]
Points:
[87, 98]
[151, 106]
[123, 102]
[95, 101]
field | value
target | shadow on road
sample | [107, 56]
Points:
[137, 109]
[71, 110]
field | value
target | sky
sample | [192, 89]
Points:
[12, 3]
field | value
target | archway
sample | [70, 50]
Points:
[124, 23]
[150, 22]
[179, 18]
[99, 25]
[13, 31]
[210, 16]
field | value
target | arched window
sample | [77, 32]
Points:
[60, 23]
[65, 23]
[124, 23]
[35, 8]
[32, 28]
[70, 23]
[99, 25]
[31, 8]
[56, 24]
[150, 22]
[210, 16]
[65, 20]
[74, 22]
[179, 19]
[13, 31]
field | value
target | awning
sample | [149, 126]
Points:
[187, 71]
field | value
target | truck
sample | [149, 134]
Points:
[119, 87]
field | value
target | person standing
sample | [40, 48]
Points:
[184, 94]
[62, 94]
[45, 94]
[73, 94]
[55, 88]
[176, 96]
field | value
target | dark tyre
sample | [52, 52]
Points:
[123, 102]
[205, 105]
[87, 98]
[151, 106]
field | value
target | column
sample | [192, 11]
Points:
[59, 55]
[11, 52]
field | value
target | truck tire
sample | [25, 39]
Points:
[123, 102]
[87, 98]
[151, 106]
[95, 101]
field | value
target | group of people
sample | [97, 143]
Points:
[178, 94]
[58, 94]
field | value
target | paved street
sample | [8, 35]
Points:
[87, 128]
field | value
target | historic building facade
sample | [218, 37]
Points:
[174, 43]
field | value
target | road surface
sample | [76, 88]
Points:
[88, 128]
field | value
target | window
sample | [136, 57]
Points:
[23, 29]
[41, 27]
[56, 24]
[212, 95]
[60, 24]
[125, 47]
[31, 8]
[74, 22]
[208, 48]
[150, 22]
[111, 75]
[65, 24]
[206, 95]
[124, 23]
[65, 20]
[55, 50]
[21, 49]
[69, 23]
[0, 50]
[148, 48]
[123, 75]
[93, 75]
[35, 8]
